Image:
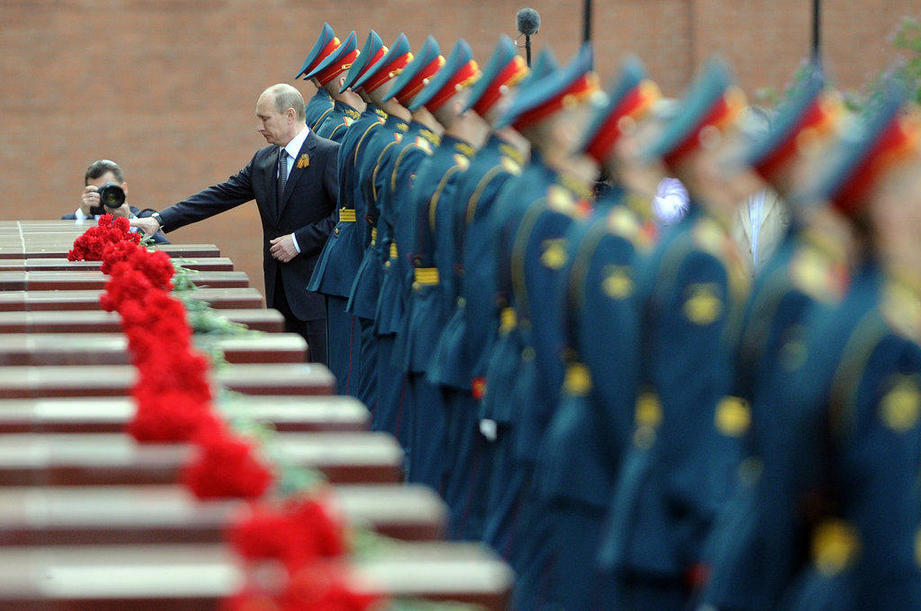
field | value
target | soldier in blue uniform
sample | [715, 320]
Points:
[338, 263]
[579, 457]
[330, 74]
[530, 219]
[451, 365]
[677, 470]
[837, 499]
[321, 103]
[806, 269]
[426, 308]
[392, 180]
[366, 287]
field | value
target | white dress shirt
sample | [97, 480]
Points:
[292, 149]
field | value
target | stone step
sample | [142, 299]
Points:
[98, 321]
[132, 515]
[94, 280]
[207, 264]
[54, 349]
[195, 577]
[27, 301]
[117, 380]
[115, 459]
[285, 414]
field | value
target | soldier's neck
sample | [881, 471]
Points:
[393, 108]
[423, 116]
[348, 97]
[467, 127]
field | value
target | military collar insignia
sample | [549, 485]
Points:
[901, 306]
[900, 408]
[512, 153]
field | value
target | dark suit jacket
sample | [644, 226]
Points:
[307, 210]
[158, 237]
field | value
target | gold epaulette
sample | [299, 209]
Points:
[709, 236]
[813, 273]
[622, 222]
[560, 199]
[901, 306]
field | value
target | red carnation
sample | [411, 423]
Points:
[92, 244]
[299, 532]
[225, 466]
[115, 252]
[169, 416]
[325, 586]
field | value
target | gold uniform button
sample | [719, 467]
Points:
[835, 545]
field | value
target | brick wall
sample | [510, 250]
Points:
[167, 88]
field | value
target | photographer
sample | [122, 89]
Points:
[105, 175]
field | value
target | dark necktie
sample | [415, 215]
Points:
[282, 173]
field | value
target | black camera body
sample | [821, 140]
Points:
[111, 196]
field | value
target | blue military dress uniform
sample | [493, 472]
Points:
[466, 486]
[804, 272]
[364, 291]
[835, 506]
[579, 456]
[685, 447]
[320, 103]
[391, 179]
[338, 263]
[467, 450]
[426, 309]
[334, 124]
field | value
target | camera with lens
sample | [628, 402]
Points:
[111, 196]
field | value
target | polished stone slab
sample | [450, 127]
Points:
[35, 250]
[131, 515]
[98, 321]
[115, 459]
[54, 349]
[197, 577]
[208, 264]
[91, 280]
[27, 301]
[117, 380]
[286, 414]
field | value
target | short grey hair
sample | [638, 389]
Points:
[285, 97]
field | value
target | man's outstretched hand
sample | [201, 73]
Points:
[283, 248]
[147, 224]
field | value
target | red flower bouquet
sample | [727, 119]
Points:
[92, 244]
[226, 466]
[296, 534]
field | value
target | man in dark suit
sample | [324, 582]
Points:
[100, 173]
[293, 181]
